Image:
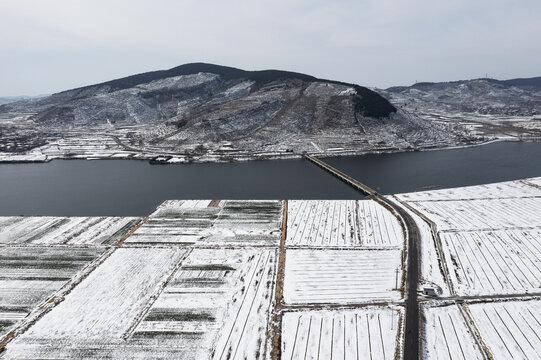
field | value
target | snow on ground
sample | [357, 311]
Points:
[214, 296]
[534, 181]
[102, 307]
[347, 223]
[30, 156]
[158, 299]
[64, 230]
[430, 271]
[342, 276]
[217, 303]
[445, 335]
[30, 275]
[494, 262]
[507, 189]
[231, 222]
[510, 329]
[367, 333]
[487, 214]
[489, 235]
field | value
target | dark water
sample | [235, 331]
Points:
[129, 187]
[124, 187]
[406, 172]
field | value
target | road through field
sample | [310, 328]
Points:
[411, 337]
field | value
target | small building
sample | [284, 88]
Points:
[430, 291]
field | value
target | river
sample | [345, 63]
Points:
[135, 188]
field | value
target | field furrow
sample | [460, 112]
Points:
[510, 329]
[64, 230]
[348, 223]
[446, 335]
[341, 276]
[228, 222]
[368, 333]
[30, 275]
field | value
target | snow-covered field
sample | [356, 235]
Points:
[501, 190]
[64, 230]
[203, 279]
[510, 329]
[366, 333]
[446, 334]
[150, 298]
[30, 275]
[494, 262]
[348, 223]
[342, 276]
[203, 222]
[534, 181]
[486, 214]
[489, 237]
[102, 307]
[217, 303]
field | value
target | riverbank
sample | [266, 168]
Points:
[45, 154]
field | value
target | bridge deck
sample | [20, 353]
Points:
[348, 179]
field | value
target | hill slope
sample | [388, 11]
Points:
[196, 109]
[515, 97]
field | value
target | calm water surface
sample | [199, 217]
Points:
[128, 187]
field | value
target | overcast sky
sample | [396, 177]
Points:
[47, 46]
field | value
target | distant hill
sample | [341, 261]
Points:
[60, 106]
[11, 99]
[520, 97]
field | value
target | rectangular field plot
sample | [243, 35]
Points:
[507, 189]
[101, 308]
[217, 303]
[341, 224]
[30, 275]
[511, 330]
[494, 262]
[341, 276]
[473, 215]
[64, 230]
[205, 222]
[368, 333]
[446, 335]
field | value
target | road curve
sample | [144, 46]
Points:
[411, 336]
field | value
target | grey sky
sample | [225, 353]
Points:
[52, 45]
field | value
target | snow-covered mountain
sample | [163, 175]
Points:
[203, 111]
[516, 97]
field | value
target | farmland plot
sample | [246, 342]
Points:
[510, 329]
[226, 222]
[474, 215]
[501, 190]
[446, 335]
[323, 223]
[342, 276]
[217, 305]
[64, 230]
[494, 262]
[101, 308]
[367, 333]
[30, 275]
